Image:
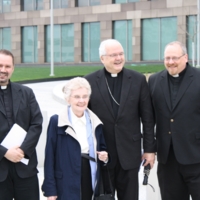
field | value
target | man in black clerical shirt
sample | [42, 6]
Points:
[175, 96]
[121, 99]
[18, 106]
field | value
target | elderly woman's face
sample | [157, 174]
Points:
[79, 101]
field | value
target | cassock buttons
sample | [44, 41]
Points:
[170, 132]
[172, 120]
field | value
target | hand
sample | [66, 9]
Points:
[150, 159]
[102, 155]
[52, 198]
[20, 151]
[14, 154]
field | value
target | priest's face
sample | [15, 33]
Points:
[6, 68]
[114, 59]
[174, 59]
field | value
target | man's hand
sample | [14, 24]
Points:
[150, 159]
[14, 154]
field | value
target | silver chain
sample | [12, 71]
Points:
[110, 92]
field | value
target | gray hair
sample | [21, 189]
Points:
[74, 84]
[104, 44]
[183, 47]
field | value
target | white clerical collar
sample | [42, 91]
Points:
[3, 87]
[113, 75]
[176, 75]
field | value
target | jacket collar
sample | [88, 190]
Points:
[187, 80]
[126, 80]
[63, 120]
[16, 98]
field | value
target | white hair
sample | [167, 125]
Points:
[104, 44]
[74, 84]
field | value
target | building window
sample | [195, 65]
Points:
[60, 4]
[63, 43]
[29, 44]
[125, 1]
[32, 5]
[82, 3]
[156, 34]
[5, 38]
[192, 36]
[5, 6]
[90, 41]
[123, 32]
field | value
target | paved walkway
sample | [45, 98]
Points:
[50, 105]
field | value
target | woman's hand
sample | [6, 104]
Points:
[102, 155]
[52, 198]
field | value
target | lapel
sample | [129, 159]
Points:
[101, 83]
[16, 96]
[2, 109]
[164, 84]
[64, 120]
[187, 80]
[126, 83]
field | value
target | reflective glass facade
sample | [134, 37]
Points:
[82, 3]
[32, 5]
[90, 41]
[143, 27]
[191, 35]
[123, 32]
[60, 4]
[5, 38]
[155, 35]
[5, 6]
[125, 1]
[63, 43]
[29, 44]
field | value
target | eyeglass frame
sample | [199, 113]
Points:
[174, 59]
[78, 98]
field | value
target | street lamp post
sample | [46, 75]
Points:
[52, 50]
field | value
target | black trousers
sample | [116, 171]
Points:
[18, 188]
[125, 182]
[86, 180]
[178, 181]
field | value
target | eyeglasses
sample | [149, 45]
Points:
[115, 55]
[174, 59]
[77, 97]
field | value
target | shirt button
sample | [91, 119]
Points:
[170, 132]
[172, 120]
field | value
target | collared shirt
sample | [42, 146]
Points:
[114, 84]
[6, 98]
[79, 125]
[174, 85]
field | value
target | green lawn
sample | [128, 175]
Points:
[38, 73]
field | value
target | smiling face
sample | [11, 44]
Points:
[6, 69]
[114, 59]
[175, 60]
[78, 100]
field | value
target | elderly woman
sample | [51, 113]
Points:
[74, 138]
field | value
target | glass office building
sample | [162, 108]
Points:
[143, 27]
